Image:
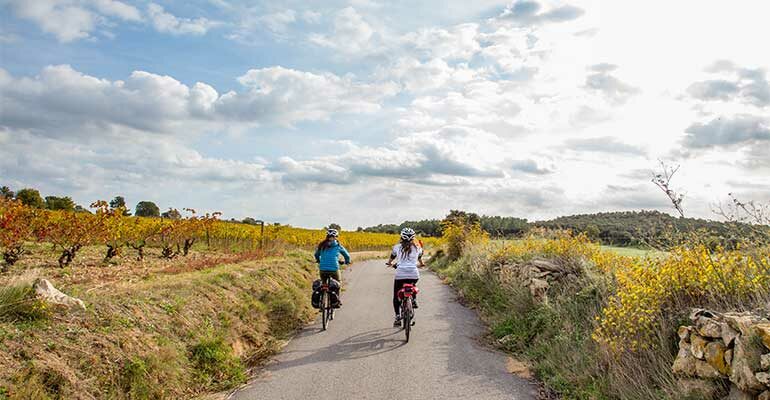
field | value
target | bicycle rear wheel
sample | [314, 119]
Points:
[324, 310]
[407, 317]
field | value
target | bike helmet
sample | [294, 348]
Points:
[407, 234]
[332, 233]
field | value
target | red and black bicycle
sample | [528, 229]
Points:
[406, 296]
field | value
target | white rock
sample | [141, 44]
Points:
[47, 292]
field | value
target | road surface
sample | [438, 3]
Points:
[361, 356]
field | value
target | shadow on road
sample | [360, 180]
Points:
[358, 346]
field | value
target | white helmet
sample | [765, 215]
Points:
[332, 232]
[407, 234]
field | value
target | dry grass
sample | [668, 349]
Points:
[154, 329]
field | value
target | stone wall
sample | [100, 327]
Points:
[724, 356]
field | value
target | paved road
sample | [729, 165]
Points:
[361, 356]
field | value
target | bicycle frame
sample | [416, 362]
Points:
[405, 295]
[327, 311]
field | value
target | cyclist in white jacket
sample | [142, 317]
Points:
[408, 257]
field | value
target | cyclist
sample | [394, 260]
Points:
[327, 255]
[408, 256]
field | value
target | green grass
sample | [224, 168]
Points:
[633, 251]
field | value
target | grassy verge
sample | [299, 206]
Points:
[160, 334]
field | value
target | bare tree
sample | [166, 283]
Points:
[663, 181]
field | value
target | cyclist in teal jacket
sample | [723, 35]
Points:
[327, 255]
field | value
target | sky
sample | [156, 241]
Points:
[363, 112]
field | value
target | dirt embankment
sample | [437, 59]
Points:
[169, 332]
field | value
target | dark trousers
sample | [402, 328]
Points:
[330, 274]
[397, 285]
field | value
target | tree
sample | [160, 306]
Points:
[120, 202]
[250, 221]
[6, 192]
[59, 203]
[172, 213]
[335, 226]
[31, 198]
[147, 209]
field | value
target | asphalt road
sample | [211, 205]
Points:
[361, 356]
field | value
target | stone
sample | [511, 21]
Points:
[708, 327]
[763, 377]
[743, 322]
[684, 364]
[684, 333]
[745, 364]
[697, 388]
[538, 287]
[696, 313]
[715, 356]
[698, 346]
[706, 371]
[729, 356]
[546, 265]
[45, 291]
[737, 394]
[764, 362]
[763, 330]
[728, 334]
[764, 395]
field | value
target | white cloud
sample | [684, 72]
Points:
[168, 23]
[351, 34]
[71, 20]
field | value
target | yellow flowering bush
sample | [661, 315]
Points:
[656, 288]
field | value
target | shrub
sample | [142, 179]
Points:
[19, 304]
[216, 365]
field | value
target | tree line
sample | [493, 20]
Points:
[496, 226]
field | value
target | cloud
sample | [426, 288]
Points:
[351, 34]
[168, 23]
[62, 101]
[278, 22]
[608, 144]
[529, 167]
[459, 42]
[529, 13]
[612, 88]
[727, 132]
[739, 84]
[70, 20]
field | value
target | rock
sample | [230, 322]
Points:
[763, 330]
[728, 335]
[764, 395]
[684, 364]
[742, 322]
[546, 265]
[763, 377]
[697, 388]
[745, 365]
[507, 339]
[45, 291]
[698, 346]
[737, 394]
[706, 371]
[538, 287]
[764, 362]
[696, 313]
[708, 327]
[684, 333]
[729, 357]
[715, 356]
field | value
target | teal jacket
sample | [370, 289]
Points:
[327, 258]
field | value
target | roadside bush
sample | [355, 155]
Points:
[216, 366]
[19, 304]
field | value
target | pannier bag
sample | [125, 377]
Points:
[334, 290]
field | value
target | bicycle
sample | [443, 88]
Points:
[327, 309]
[406, 296]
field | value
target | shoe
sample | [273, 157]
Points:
[397, 322]
[414, 303]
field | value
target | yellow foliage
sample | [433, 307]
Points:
[689, 276]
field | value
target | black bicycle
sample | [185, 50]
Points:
[327, 308]
[406, 296]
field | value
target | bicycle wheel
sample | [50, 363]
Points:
[407, 315]
[324, 309]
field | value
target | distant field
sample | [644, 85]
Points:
[623, 251]
[632, 252]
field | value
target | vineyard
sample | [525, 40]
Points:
[69, 232]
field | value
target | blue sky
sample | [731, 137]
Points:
[365, 111]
